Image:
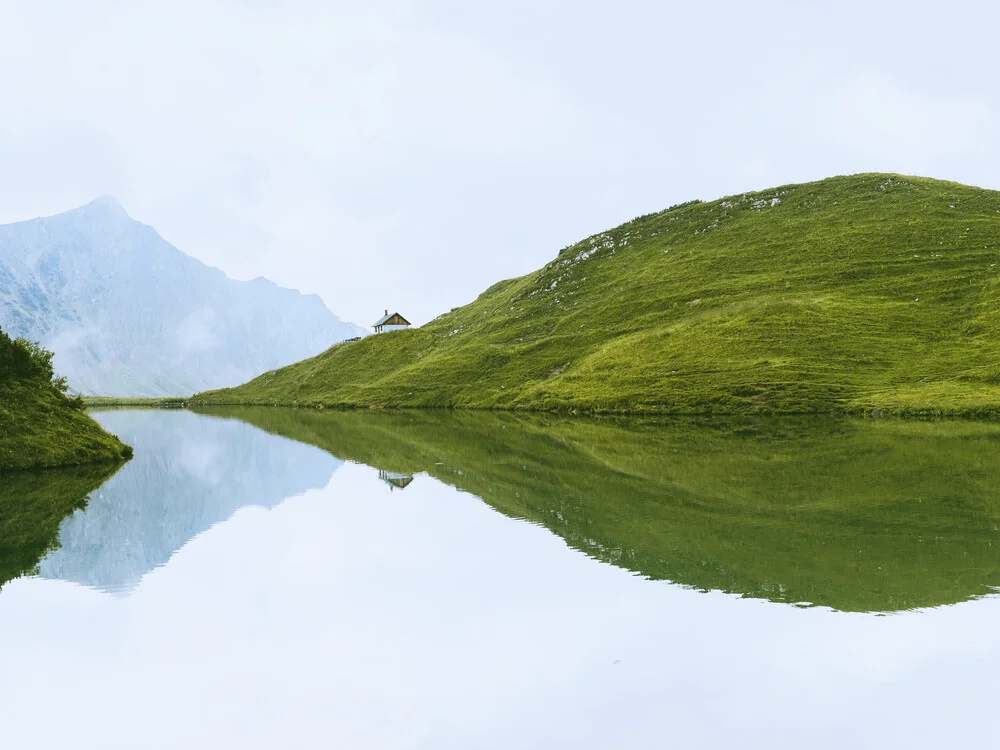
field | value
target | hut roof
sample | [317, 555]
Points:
[388, 316]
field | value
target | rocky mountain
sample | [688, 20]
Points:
[128, 314]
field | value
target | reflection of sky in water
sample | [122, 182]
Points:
[357, 616]
[189, 473]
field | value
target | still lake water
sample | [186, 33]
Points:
[300, 579]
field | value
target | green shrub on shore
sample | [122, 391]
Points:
[41, 426]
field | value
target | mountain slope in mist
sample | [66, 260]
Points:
[128, 314]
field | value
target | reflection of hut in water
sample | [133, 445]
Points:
[391, 478]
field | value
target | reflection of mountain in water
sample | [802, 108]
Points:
[855, 515]
[189, 473]
[32, 506]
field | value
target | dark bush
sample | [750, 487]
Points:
[21, 359]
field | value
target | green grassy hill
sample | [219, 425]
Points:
[866, 293]
[857, 515]
[40, 427]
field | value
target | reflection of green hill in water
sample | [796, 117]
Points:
[860, 516]
[32, 507]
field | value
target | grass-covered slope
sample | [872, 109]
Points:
[40, 427]
[871, 292]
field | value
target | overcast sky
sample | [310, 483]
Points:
[410, 153]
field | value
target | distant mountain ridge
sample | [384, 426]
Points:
[128, 314]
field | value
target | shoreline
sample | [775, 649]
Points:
[990, 413]
[98, 402]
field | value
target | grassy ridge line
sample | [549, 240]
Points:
[40, 427]
[865, 294]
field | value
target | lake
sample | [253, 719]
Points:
[261, 578]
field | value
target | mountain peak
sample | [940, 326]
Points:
[107, 205]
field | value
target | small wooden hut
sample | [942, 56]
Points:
[387, 322]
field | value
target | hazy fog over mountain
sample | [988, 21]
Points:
[128, 314]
